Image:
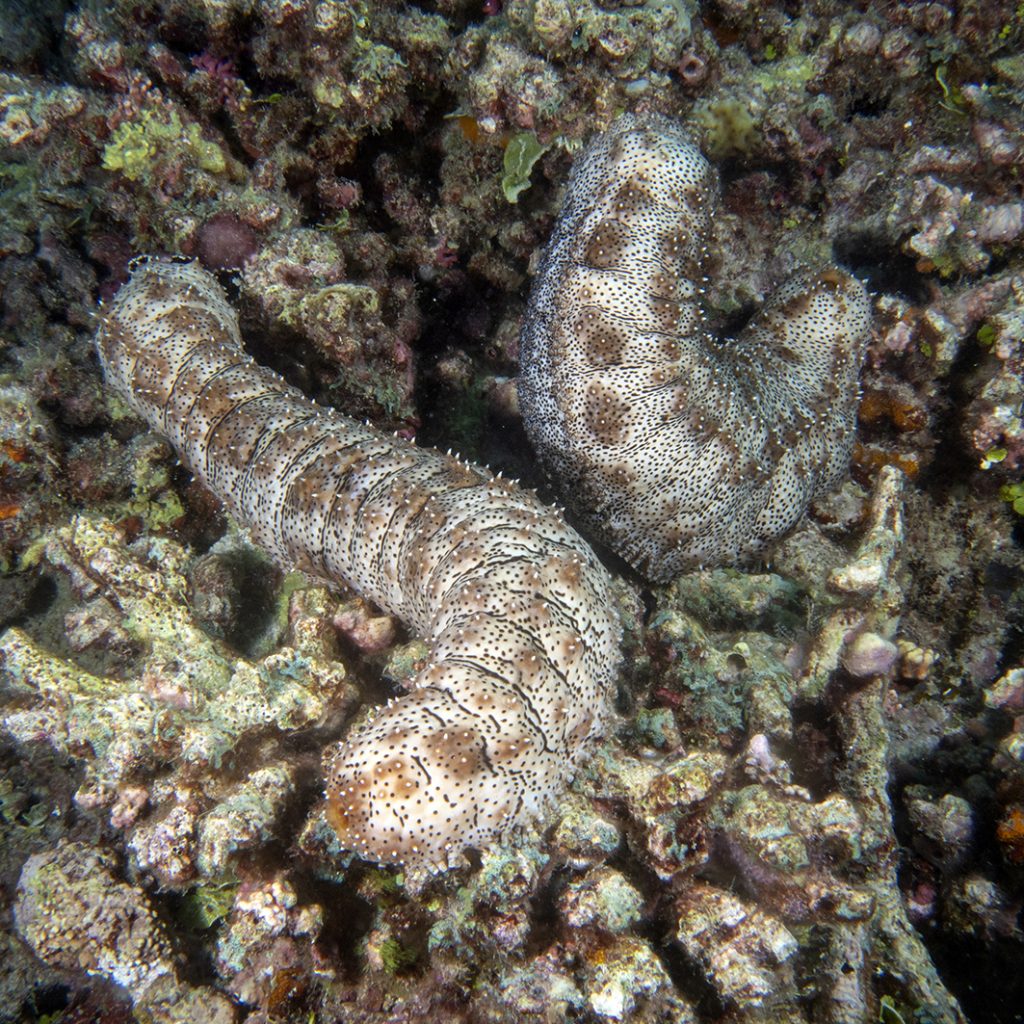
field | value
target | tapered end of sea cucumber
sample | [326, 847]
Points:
[423, 781]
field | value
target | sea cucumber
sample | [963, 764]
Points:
[522, 631]
[678, 449]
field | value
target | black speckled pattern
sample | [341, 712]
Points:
[524, 639]
[676, 449]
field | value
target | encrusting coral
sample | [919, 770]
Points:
[160, 734]
[77, 914]
[523, 634]
[676, 449]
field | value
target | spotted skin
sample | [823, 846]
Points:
[523, 637]
[677, 449]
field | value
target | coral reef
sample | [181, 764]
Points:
[76, 914]
[174, 696]
[811, 803]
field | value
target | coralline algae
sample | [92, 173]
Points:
[523, 635]
[677, 449]
[76, 913]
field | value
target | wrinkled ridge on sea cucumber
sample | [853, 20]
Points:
[679, 450]
[523, 637]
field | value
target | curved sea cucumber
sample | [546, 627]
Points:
[524, 639]
[677, 449]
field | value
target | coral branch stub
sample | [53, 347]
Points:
[679, 450]
[523, 636]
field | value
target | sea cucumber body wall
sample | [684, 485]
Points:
[517, 611]
[675, 448]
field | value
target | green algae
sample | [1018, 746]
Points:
[583, 831]
[153, 499]
[464, 417]
[729, 126]
[404, 661]
[656, 727]
[727, 598]
[522, 152]
[18, 810]
[1013, 495]
[760, 820]
[379, 387]
[333, 305]
[137, 147]
[246, 818]
[395, 957]
[507, 876]
[206, 905]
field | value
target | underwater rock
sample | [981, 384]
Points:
[869, 654]
[189, 701]
[299, 284]
[603, 897]
[76, 914]
[29, 483]
[745, 951]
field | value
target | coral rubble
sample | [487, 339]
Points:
[811, 803]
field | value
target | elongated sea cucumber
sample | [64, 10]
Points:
[675, 448]
[523, 635]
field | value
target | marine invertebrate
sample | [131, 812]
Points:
[677, 448]
[517, 611]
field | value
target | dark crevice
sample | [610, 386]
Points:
[24, 597]
[870, 258]
[659, 928]
[31, 37]
[813, 756]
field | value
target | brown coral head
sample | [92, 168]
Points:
[225, 242]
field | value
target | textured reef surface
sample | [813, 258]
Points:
[808, 805]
